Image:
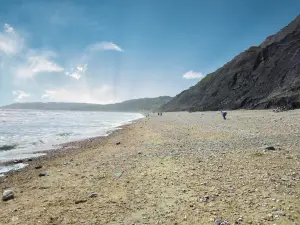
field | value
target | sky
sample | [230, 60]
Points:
[106, 51]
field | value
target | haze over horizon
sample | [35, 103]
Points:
[110, 51]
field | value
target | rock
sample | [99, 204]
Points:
[80, 201]
[270, 217]
[7, 195]
[43, 174]
[259, 63]
[204, 199]
[118, 143]
[93, 195]
[140, 153]
[218, 221]
[18, 161]
[270, 148]
[38, 167]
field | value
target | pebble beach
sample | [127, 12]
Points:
[178, 168]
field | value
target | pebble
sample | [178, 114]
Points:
[118, 143]
[38, 167]
[93, 195]
[218, 221]
[270, 148]
[7, 195]
[43, 174]
[204, 199]
[80, 201]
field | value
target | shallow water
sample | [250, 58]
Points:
[29, 131]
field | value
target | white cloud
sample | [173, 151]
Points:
[8, 28]
[75, 75]
[82, 68]
[101, 95]
[104, 46]
[193, 75]
[21, 61]
[20, 95]
[38, 64]
[10, 42]
[78, 72]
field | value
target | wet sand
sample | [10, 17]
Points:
[179, 168]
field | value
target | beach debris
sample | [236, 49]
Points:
[7, 195]
[118, 143]
[118, 174]
[43, 174]
[270, 148]
[93, 195]
[38, 167]
[80, 201]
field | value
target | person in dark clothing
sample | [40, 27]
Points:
[224, 114]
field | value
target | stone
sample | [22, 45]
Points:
[7, 195]
[80, 201]
[93, 195]
[38, 167]
[270, 148]
[218, 221]
[118, 143]
[43, 174]
[204, 199]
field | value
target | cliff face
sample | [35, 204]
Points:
[263, 76]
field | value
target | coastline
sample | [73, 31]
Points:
[65, 148]
[179, 168]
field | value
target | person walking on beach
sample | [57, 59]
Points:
[224, 114]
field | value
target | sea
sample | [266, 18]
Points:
[30, 133]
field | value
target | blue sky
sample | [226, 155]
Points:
[104, 51]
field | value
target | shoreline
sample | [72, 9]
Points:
[64, 148]
[179, 168]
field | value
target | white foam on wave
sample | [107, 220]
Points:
[18, 166]
[34, 131]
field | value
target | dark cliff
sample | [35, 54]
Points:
[263, 76]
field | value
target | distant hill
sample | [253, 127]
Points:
[263, 76]
[135, 105]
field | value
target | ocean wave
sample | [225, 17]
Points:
[18, 166]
